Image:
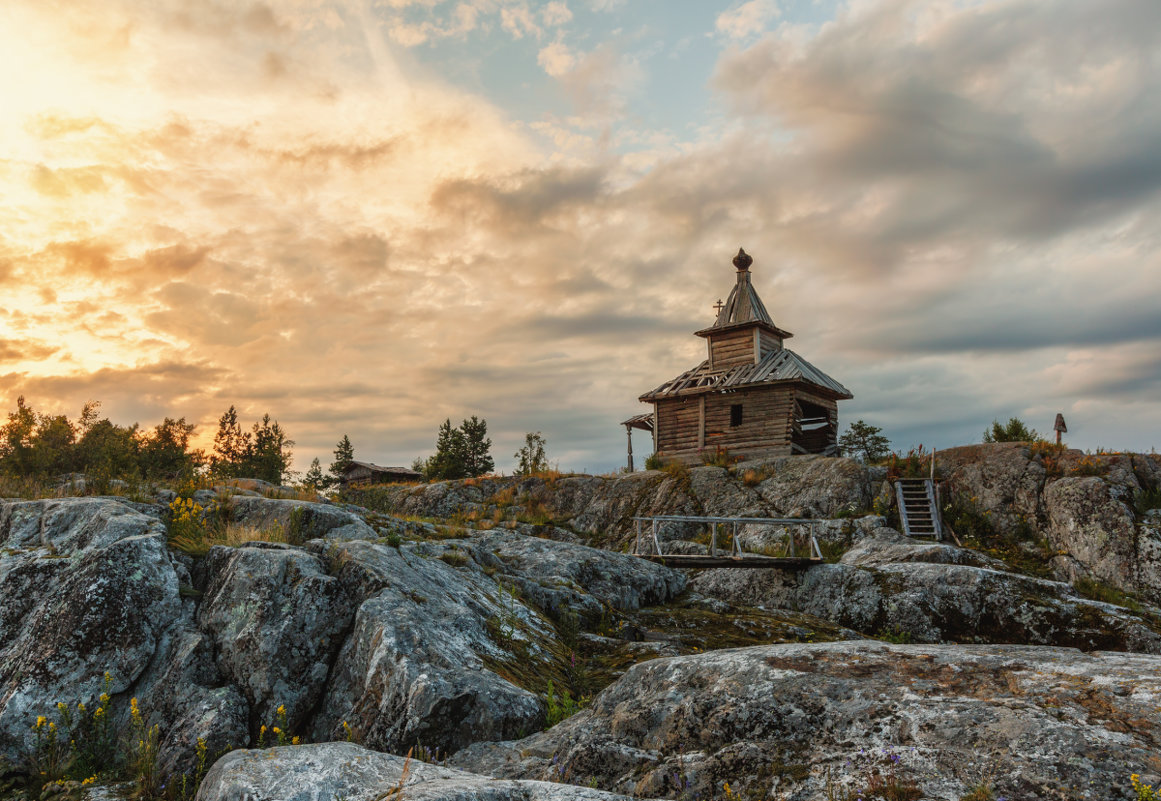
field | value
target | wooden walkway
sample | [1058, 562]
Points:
[798, 554]
[750, 560]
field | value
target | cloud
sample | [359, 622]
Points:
[747, 19]
[954, 207]
[598, 82]
[556, 58]
[519, 21]
[15, 350]
[555, 13]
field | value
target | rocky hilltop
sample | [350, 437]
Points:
[468, 622]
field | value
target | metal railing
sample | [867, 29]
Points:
[657, 521]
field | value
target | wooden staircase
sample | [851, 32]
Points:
[918, 500]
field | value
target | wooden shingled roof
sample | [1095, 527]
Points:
[743, 306]
[778, 365]
[378, 468]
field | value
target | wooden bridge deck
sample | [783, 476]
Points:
[749, 560]
[648, 546]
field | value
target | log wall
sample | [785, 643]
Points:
[765, 431]
[768, 342]
[732, 348]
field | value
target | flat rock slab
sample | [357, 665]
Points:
[354, 773]
[777, 719]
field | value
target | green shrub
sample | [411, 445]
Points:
[1147, 500]
[565, 706]
[719, 457]
[1014, 431]
[676, 469]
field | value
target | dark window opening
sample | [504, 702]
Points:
[735, 415]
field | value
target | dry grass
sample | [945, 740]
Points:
[198, 543]
[292, 494]
[239, 534]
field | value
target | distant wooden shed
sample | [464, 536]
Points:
[358, 473]
[751, 396]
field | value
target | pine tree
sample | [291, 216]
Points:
[231, 447]
[477, 460]
[865, 439]
[314, 478]
[16, 440]
[268, 455]
[449, 460]
[165, 452]
[344, 455]
[531, 457]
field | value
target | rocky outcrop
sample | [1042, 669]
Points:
[442, 627]
[413, 669]
[348, 771]
[88, 587]
[1000, 478]
[893, 586]
[886, 546]
[818, 721]
[604, 506]
[1082, 507]
[1096, 536]
[302, 521]
[276, 620]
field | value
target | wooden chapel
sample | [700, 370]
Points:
[751, 396]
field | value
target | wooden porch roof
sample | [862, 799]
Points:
[641, 421]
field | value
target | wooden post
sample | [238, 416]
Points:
[714, 539]
[656, 426]
[1060, 426]
[629, 434]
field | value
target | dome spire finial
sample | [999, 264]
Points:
[743, 260]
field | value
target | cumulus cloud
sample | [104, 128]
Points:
[747, 19]
[599, 82]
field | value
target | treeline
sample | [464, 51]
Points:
[40, 446]
[460, 452]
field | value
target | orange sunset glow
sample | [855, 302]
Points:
[367, 217]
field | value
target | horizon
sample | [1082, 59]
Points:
[364, 220]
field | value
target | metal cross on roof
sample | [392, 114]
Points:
[718, 306]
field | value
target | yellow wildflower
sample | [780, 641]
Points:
[295, 740]
[277, 730]
[89, 780]
[81, 706]
[40, 721]
[281, 709]
[263, 728]
[61, 706]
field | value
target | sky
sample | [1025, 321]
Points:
[366, 216]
